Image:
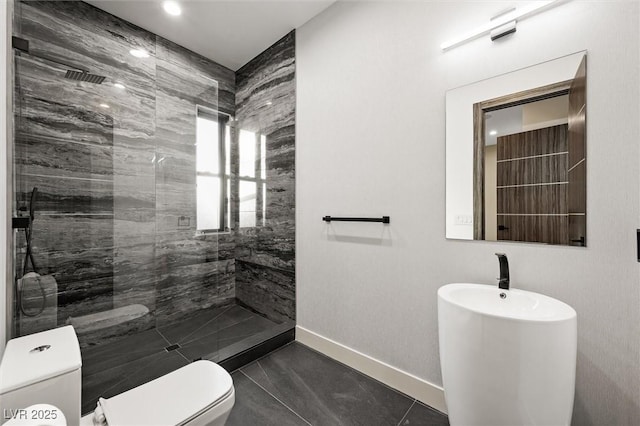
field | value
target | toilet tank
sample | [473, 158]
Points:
[42, 368]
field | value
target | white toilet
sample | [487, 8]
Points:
[45, 368]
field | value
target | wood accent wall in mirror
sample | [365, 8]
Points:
[516, 156]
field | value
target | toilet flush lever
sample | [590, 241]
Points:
[40, 349]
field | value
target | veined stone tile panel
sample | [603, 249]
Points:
[265, 255]
[169, 52]
[135, 289]
[270, 77]
[135, 259]
[54, 106]
[74, 232]
[175, 129]
[67, 195]
[133, 157]
[281, 148]
[267, 290]
[281, 197]
[185, 83]
[80, 25]
[69, 265]
[97, 168]
[175, 207]
[185, 289]
[54, 157]
[77, 33]
[190, 251]
[178, 163]
[49, 106]
[274, 248]
[137, 227]
[133, 192]
[84, 297]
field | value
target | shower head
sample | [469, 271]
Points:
[84, 76]
[80, 74]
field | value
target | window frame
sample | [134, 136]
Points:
[224, 206]
[260, 209]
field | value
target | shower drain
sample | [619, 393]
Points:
[172, 347]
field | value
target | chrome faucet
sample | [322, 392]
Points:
[503, 281]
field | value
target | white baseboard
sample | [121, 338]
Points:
[425, 392]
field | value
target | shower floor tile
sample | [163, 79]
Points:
[116, 367]
[225, 334]
[100, 358]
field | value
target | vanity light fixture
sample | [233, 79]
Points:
[139, 53]
[507, 20]
[172, 8]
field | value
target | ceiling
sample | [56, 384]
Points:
[229, 32]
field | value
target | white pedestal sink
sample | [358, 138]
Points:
[506, 360]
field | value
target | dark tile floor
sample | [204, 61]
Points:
[295, 385]
[214, 334]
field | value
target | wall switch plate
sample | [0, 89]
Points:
[463, 219]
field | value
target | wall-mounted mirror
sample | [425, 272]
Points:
[516, 156]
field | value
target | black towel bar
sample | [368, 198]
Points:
[383, 219]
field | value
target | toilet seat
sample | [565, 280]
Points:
[176, 398]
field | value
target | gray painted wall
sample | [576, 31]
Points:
[371, 141]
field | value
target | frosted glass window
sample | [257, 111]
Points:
[263, 156]
[212, 171]
[227, 150]
[264, 203]
[247, 153]
[208, 195]
[247, 208]
[207, 146]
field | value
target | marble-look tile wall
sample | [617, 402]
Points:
[265, 254]
[107, 213]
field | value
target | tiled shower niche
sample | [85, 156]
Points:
[114, 236]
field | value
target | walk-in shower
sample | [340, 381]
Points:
[154, 196]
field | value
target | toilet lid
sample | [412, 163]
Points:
[171, 399]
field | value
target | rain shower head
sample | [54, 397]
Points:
[84, 76]
[81, 74]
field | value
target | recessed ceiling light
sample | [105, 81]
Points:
[493, 132]
[172, 8]
[118, 85]
[139, 53]
[105, 106]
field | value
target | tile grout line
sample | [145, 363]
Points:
[162, 335]
[407, 413]
[275, 397]
[213, 332]
[168, 342]
[214, 318]
[183, 356]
